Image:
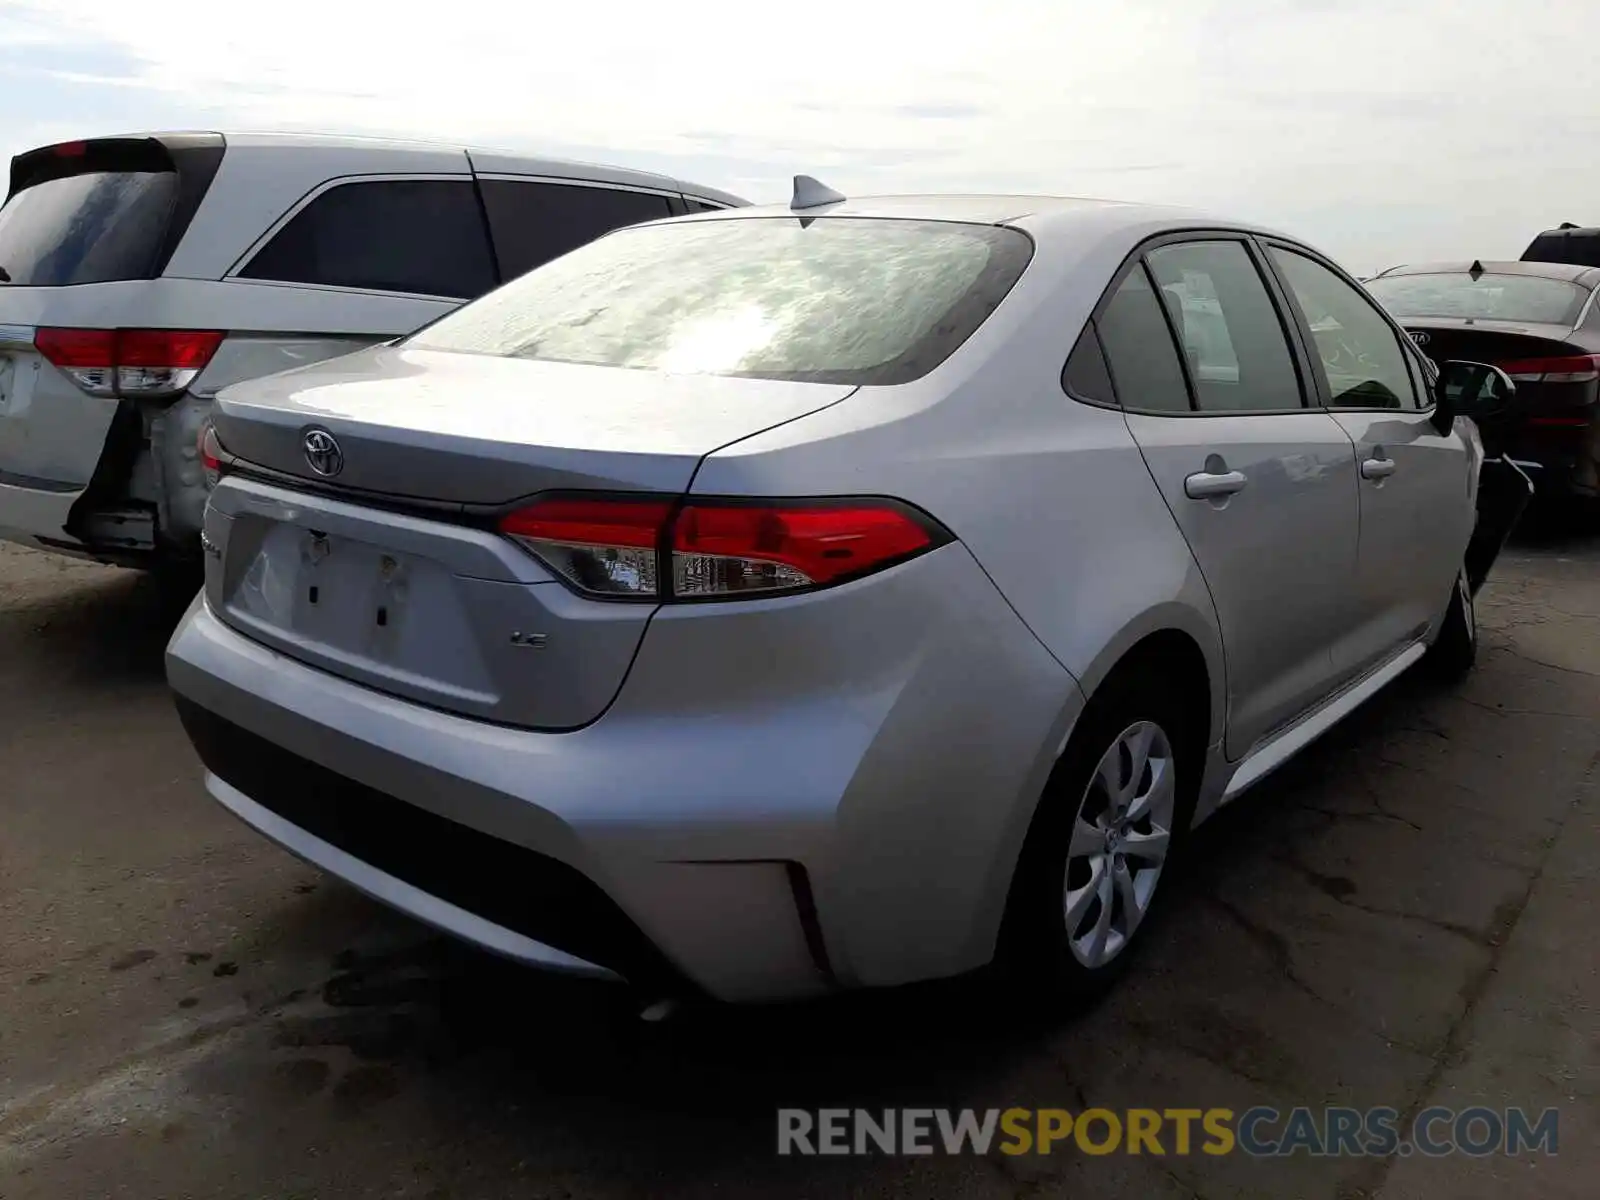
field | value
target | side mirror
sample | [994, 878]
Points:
[1470, 389]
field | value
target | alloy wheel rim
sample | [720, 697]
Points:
[1119, 845]
[1468, 614]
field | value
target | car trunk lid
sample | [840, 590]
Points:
[390, 571]
[1542, 359]
[453, 429]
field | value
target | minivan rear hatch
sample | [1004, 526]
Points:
[84, 227]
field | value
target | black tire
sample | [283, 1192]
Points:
[1036, 952]
[1456, 648]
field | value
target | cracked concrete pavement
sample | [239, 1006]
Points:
[1407, 915]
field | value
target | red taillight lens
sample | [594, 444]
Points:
[708, 549]
[86, 356]
[600, 546]
[720, 550]
[1581, 368]
[213, 458]
[129, 362]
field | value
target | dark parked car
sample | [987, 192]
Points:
[1539, 322]
[1567, 243]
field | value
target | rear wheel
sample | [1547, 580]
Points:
[1097, 853]
[1456, 648]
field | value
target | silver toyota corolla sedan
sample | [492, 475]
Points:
[802, 598]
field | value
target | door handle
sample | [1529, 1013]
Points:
[1377, 468]
[1209, 485]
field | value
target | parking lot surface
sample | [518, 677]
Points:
[1407, 915]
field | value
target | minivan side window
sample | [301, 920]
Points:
[1358, 349]
[1232, 336]
[1139, 351]
[419, 236]
[532, 223]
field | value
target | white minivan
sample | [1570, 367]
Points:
[138, 275]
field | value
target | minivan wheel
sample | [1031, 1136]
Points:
[1098, 852]
[1456, 648]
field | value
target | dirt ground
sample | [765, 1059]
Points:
[1407, 915]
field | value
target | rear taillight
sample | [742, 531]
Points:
[129, 362]
[1581, 368]
[603, 547]
[214, 460]
[650, 549]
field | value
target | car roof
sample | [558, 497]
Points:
[406, 154]
[1046, 216]
[1581, 275]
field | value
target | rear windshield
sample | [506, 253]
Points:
[1525, 298]
[88, 228]
[832, 299]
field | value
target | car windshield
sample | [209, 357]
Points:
[832, 299]
[1489, 297]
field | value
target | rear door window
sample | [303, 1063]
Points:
[1138, 347]
[89, 227]
[1232, 336]
[417, 236]
[532, 223]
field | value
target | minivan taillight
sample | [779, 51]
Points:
[129, 362]
[717, 549]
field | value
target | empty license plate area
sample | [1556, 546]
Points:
[375, 614]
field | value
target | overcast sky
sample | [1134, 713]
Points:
[1382, 132]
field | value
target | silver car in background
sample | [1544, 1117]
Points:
[139, 275]
[795, 599]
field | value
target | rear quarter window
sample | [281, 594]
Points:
[93, 227]
[824, 299]
[417, 236]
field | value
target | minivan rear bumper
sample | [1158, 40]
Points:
[807, 831]
[34, 515]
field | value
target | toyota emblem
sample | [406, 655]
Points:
[322, 452]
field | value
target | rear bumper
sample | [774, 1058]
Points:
[34, 515]
[397, 893]
[1560, 460]
[806, 832]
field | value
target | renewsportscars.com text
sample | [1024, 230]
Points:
[1260, 1132]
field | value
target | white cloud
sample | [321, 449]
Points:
[1382, 132]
